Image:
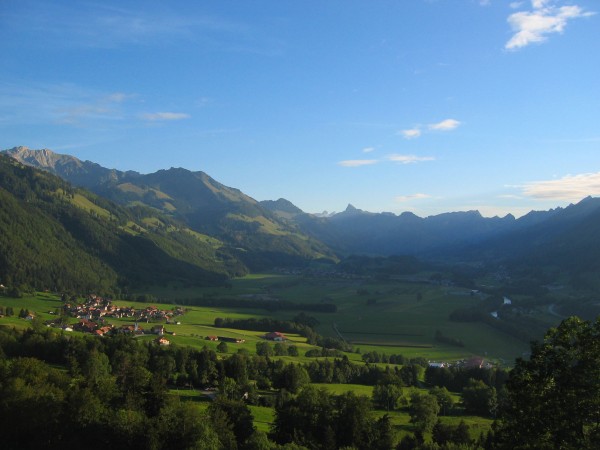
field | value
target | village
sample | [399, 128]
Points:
[94, 313]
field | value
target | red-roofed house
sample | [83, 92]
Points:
[275, 336]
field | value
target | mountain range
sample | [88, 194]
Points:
[252, 235]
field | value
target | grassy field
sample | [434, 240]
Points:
[392, 317]
[402, 320]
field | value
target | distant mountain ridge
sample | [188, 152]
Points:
[269, 233]
[354, 231]
[81, 173]
[255, 235]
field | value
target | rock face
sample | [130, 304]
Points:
[81, 173]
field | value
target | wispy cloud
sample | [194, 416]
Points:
[97, 107]
[537, 4]
[544, 19]
[368, 149]
[394, 158]
[410, 133]
[445, 125]
[357, 162]
[164, 116]
[417, 131]
[570, 187]
[407, 198]
[119, 97]
[510, 196]
[61, 103]
[76, 114]
[98, 25]
[409, 159]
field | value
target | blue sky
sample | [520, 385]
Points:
[405, 105]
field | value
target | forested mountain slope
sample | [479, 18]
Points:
[54, 236]
[254, 235]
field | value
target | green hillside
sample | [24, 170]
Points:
[53, 236]
[255, 235]
[251, 235]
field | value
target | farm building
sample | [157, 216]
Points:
[275, 336]
[158, 329]
[162, 341]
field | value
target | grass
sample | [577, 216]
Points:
[338, 389]
[43, 304]
[213, 242]
[83, 203]
[396, 322]
[263, 417]
[390, 317]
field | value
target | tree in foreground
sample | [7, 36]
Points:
[423, 411]
[553, 400]
[387, 395]
[479, 399]
[319, 420]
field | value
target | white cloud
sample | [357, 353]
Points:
[515, 5]
[510, 196]
[76, 114]
[409, 159]
[161, 116]
[570, 187]
[410, 133]
[368, 149]
[535, 26]
[406, 198]
[357, 162]
[118, 97]
[445, 125]
[537, 4]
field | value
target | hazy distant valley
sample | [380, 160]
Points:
[180, 228]
[253, 236]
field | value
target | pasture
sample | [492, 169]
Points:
[390, 316]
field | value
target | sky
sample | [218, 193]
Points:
[426, 106]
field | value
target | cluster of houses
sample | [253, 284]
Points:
[96, 307]
[475, 362]
[92, 315]
[88, 326]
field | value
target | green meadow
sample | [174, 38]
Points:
[391, 317]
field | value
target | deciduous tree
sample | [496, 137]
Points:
[553, 398]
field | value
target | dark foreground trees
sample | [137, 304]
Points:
[319, 420]
[554, 398]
